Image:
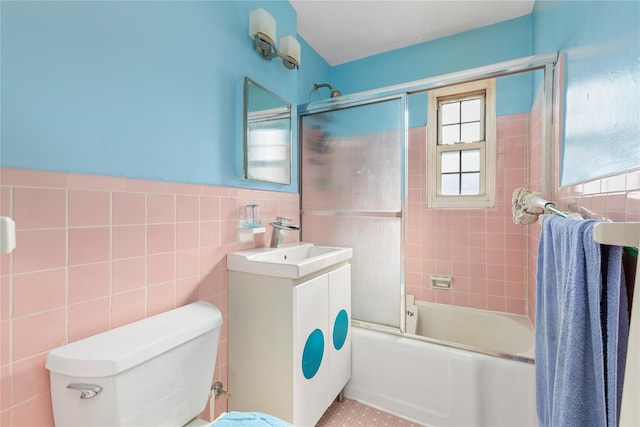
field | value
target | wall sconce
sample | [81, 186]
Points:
[262, 29]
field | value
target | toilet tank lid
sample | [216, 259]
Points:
[114, 351]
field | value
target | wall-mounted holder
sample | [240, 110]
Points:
[245, 234]
[7, 235]
[441, 282]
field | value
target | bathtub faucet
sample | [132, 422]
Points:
[280, 226]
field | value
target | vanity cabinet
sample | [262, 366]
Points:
[289, 343]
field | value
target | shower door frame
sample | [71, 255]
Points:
[401, 214]
[546, 62]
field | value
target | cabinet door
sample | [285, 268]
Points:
[310, 351]
[339, 346]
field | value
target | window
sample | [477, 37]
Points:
[461, 146]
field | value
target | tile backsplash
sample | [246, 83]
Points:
[482, 249]
[96, 252]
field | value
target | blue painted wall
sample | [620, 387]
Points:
[495, 43]
[600, 41]
[154, 89]
[138, 89]
[313, 70]
[487, 45]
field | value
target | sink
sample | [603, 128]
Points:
[290, 261]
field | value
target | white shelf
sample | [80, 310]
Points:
[617, 233]
[248, 230]
[242, 228]
[246, 234]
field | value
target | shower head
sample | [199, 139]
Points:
[334, 92]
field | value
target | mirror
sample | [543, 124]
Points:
[267, 135]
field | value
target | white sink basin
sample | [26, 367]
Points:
[289, 261]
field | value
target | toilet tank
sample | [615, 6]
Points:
[154, 372]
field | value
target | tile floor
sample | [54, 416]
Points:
[352, 413]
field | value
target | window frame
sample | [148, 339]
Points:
[486, 197]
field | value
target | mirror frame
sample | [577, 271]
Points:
[282, 174]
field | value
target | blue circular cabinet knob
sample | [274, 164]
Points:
[312, 354]
[340, 329]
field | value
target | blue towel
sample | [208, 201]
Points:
[616, 331]
[249, 419]
[577, 330]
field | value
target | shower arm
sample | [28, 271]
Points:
[334, 93]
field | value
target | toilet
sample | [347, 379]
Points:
[154, 372]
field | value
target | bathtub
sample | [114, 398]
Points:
[476, 370]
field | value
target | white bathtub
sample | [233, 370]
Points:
[441, 385]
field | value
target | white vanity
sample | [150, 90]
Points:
[289, 330]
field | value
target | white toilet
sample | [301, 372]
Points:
[154, 372]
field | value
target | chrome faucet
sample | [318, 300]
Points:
[279, 227]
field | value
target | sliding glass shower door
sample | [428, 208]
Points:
[352, 194]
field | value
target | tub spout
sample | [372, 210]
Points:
[280, 226]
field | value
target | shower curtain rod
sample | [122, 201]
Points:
[505, 68]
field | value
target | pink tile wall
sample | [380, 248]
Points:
[615, 198]
[600, 201]
[481, 248]
[97, 252]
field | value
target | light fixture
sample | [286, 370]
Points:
[262, 29]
